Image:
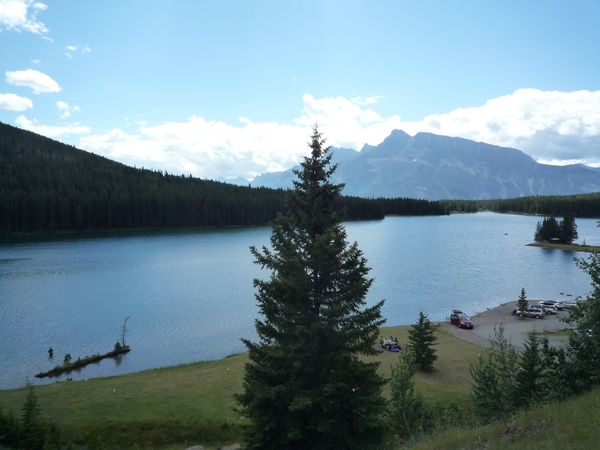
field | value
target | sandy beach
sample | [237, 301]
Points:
[515, 328]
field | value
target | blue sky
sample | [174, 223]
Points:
[230, 88]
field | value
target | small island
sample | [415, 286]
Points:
[560, 234]
[568, 247]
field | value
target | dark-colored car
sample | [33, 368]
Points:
[460, 319]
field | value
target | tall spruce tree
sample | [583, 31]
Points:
[422, 339]
[305, 386]
[529, 386]
[522, 302]
[568, 230]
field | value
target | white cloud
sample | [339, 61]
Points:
[20, 15]
[366, 100]
[211, 149]
[347, 124]
[206, 149]
[553, 127]
[66, 110]
[50, 131]
[38, 81]
[549, 126]
[14, 102]
[83, 49]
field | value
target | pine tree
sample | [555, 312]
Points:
[529, 387]
[568, 230]
[409, 411]
[305, 386]
[522, 302]
[494, 379]
[33, 428]
[422, 338]
[548, 229]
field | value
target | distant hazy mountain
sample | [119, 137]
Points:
[239, 181]
[284, 179]
[434, 167]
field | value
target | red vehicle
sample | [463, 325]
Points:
[460, 319]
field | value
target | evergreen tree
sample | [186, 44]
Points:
[494, 379]
[548, 229]
[522, 302]
[305, 386]
[568, 230]
[585, 348]
[409, 411]
[422, 339]
[529, 386]
[34, 429]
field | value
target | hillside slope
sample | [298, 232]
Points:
[48, 186]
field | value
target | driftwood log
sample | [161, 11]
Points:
[59, 370]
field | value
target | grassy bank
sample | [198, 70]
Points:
[572, 424]
[191, 404]
[177, 407]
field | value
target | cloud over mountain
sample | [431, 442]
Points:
[552, 127]
[50, 131]
[556, 127]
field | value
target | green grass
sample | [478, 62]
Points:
[564, 332]
[177, 407]
[572, 424]
[186, 404]
[451, 379]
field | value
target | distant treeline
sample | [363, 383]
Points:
[48, 186]
[582, 205]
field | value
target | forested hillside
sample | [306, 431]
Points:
[48, 186]
[582, 205]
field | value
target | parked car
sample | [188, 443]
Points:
[549, 309]
[571, 304]
[460, 319]
[559, 305]
[531, 311]
[587, 333]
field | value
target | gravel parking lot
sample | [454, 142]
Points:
[515, 328]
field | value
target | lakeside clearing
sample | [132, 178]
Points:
[192, 403]
[182, 406]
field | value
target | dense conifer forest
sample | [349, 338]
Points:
[48, 186]
[582, 205]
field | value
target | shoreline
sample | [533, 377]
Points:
[566, 247]
[516, 328]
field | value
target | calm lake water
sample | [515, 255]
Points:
[189, 294]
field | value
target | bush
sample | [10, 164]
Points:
[409, 412]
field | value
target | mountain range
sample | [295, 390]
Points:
[434, 167]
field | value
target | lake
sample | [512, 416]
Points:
[189, 294]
